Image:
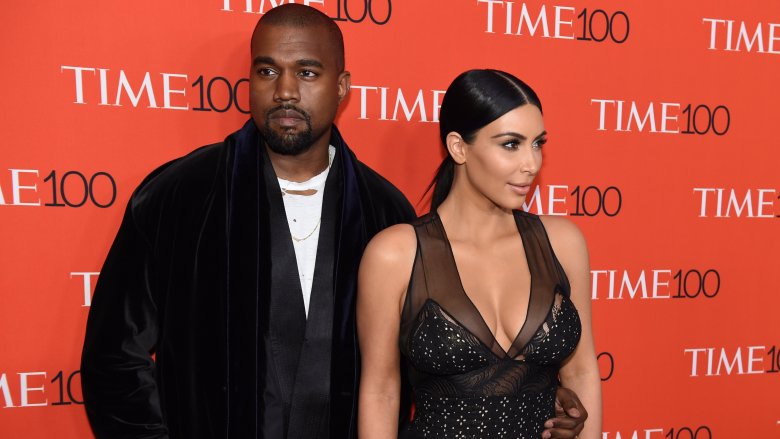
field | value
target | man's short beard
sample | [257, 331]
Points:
[288, 144]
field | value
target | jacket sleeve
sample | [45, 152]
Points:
[117, 369]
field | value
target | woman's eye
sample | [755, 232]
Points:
[540, 143]
[511, 145]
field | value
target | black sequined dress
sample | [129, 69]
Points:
[465, 384]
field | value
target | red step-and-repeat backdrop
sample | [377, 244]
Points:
[663, 121]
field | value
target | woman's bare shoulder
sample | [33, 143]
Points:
[392, 249]
[387, 265]
[394, 242]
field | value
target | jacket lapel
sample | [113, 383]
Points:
[352, 239]
[286, 312]
[310, 413]
[243, 241]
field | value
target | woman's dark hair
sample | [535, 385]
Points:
[474, 99]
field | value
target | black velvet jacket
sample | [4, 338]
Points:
[174, 286]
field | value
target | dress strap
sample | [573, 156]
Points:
[435, 279]
[547, 277]
[435, 276]
[541, 254]
[426, 272]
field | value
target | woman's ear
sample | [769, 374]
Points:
[456, 146]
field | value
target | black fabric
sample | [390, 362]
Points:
[247, 273]
[309, 411]
[296, 379]
[465, 384]
[180, 282]
[286, 312]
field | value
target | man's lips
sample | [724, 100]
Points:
[520, 188]
[286, 118]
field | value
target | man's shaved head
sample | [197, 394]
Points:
[297, 79]
[298, 15]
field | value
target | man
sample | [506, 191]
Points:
[236, 266]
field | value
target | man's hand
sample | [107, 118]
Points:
[569, 418]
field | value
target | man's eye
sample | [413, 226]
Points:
[265, 71]
[307, 74]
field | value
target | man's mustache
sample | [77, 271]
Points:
[273, 112]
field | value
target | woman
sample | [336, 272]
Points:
[491, 304]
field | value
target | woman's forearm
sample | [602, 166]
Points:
[378, 415]
[587, 385]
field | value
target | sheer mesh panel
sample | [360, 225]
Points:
[456, 366]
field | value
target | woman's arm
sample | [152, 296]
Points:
[382, 281]
[580, 372]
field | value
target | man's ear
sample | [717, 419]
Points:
[456, 146]
[345, 82]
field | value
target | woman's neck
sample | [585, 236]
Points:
[470, 216]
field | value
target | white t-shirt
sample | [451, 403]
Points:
[303, 216]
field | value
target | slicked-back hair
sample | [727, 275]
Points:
[301, 16]
[474, 99]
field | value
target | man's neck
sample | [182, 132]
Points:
[300, 167]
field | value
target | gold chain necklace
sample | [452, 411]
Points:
[316, 226]
[331, 154]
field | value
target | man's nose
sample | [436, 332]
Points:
[287, 88]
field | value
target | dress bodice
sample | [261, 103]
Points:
[465, 384]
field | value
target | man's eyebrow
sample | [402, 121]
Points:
[263, 60]
[310, 63]
[305, 62]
